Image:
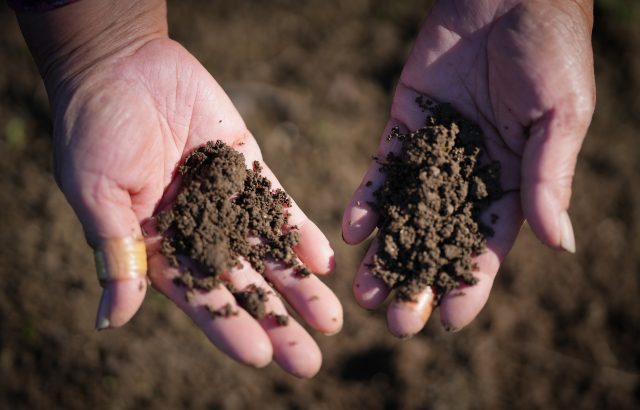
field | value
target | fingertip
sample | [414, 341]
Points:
[548, 167]
[259, 355]
[240, 337]
[332, 321]
[314, 249]
[307, 367]
[406, 318]
[294, 349]
[328, 317]
[542, 214]
[309, 296]
[368, 290]
[461, 306]
[358, 221]
[254, 349]
[120, 300]
[311, 365]
[567, 237]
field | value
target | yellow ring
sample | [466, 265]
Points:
[120, 259]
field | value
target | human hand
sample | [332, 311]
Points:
[522, 70]
[123, 122]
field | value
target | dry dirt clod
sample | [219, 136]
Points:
[430, 204]
[220, 206]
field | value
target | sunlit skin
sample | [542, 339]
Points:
[121, 127]
[523, 70]
[128, 104]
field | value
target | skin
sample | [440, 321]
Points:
[128, 105]
[523, 70]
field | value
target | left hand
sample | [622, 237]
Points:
[523, 70]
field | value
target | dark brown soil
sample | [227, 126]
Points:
[220, 207]
[435, 190]
[225, 311]
[314, 80]
[252, 300]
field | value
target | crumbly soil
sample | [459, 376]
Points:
[220, 207]
[435, 190]
[313, 81]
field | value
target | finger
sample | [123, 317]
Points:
[122, 268]
[461, 306]
[238, 335]
[405, 318]
[360, 218]
[112, 229]
[311, 298]
[293, 348]
[368, 290]
[548, 165]
[313, 249]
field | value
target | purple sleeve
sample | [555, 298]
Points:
[37, 5]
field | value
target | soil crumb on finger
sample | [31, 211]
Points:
[225, 311]
[430, 204]
[220, 207]
[253, 301]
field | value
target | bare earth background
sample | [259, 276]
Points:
[313, 80]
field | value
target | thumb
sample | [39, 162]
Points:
[548, 165]
[113, 231]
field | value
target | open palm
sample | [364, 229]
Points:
[121, 129]
[524, 72]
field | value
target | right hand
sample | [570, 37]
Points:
[122, 125]
[523, 70]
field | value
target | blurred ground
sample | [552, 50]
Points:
[314, 80]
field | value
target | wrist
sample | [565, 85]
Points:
[67, 42]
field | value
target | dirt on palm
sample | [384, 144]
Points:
[220, 207]
[313, 80]
[430, 203]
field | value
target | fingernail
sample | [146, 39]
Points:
[567, 239]
[104, 311]
[407, 318]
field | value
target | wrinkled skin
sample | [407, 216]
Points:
[121, 129]
[523, 70]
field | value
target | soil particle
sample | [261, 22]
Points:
[221, 206]
[430, 204]
[225, 311]
[253, 301]
[302, 271]
[281, 320]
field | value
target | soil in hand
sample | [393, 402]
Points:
[430, 204]
[223, 212]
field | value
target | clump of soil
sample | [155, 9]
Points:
[225, 311]
[430, 204]
[225, 211]
[252, 300]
